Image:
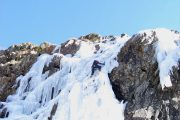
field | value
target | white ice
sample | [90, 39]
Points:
[79, 96]
[167, 53]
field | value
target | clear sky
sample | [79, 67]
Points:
[56, 21]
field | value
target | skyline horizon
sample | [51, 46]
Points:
[62, 41]
[46, 41]
[57, 21]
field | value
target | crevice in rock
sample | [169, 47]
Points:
[53, 111]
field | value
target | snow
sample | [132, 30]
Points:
[57, 48]
[33, 52]
[79, 96]
[86, 50]
[167, 52]
[71, 41]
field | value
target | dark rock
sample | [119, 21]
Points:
[91, 37]
[136, 80]
[4, 113]
[16, 61]
[53, 66]
[123, 34]
[97, 47]
[44, 48]
[69, 47]
[110, 37]
[47, 48]
[53, 111]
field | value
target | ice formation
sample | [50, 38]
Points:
[71, 90]
[76, 95]
[167, 52]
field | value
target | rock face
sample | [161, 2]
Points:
[53, 66]
[91, 37]
[69, 47]
[136, 81]
[16, 61]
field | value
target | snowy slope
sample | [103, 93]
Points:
[79, 96]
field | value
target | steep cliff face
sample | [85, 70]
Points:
[54, 82]
[137, 78]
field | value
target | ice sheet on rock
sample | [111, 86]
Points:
[57, 49]
[78, 96]
[167, 52]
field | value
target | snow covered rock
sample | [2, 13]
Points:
[142, 70]
[60, 85]
[144, 61]
[46, 48]
[70, 47]
[93, 37]
[53, 66]
[16, 61]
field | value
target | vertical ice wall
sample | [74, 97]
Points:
[71, 91]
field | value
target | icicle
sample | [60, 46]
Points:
[70, 92]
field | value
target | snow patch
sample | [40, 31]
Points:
[167, 53]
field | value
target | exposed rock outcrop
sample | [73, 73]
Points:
[53, 66]
[91, 37]
[70, 47]
[136, 80]
[16, 61]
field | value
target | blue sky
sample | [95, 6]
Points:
[56, 21]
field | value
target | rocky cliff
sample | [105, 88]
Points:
[16, 61]
[137, 80]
